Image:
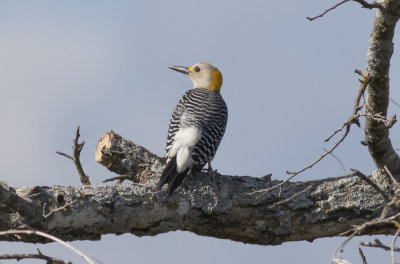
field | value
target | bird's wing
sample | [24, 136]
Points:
[175, 122]
[207, 146]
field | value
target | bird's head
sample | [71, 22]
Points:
[203, 75]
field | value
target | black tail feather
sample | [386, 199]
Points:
[172, 176]
[176, 180]
[169, 170]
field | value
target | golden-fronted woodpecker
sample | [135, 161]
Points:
[196, 126]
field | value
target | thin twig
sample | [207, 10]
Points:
[291, 197]
[378, 244]
[323, 155]
[326, 11]
[395, 182]
[293, 174]
[42, 234]
[364, 260]
[358, 229]
[371, 183]
[382, 219]
[359, 72]
[391, 121]
[392, 246]
[364, 4]
[393, 101]
[338, 252]
[360, 93]
[76, 152]
[65, 155]
[339, 261]
[52, 211]
[356, 106]
[372, 5]
[48, 259]
[352, 120]
[120, 178]
[338, 160]
[316, 181]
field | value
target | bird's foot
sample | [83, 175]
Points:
[210, 169]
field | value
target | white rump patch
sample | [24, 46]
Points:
[184, 141]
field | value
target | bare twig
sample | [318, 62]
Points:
[289, 198]
[395, 182]
[371, 183]
[293, 174]
[323, 155]
[363, 3]
[328, 10]
[337, 256]
[359, 72]
[338, 160]
[48, 236]
[378, 244]
[392, 246]
[395, 103]
[76, 152]
[347, 125]
[392, 120]
[382, 219]
[355, 120]
[48, 259]
[360, 93]
[120, 178]
[52, 211]
[352, 120]
[364, 260]
[339, 261]
[65, 155]
[372, 5]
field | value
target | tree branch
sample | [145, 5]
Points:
[207, 204]
[377, 74]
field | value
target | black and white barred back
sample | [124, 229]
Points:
[203, 109]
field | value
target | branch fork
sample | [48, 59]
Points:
[76, 152]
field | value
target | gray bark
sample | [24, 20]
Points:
[207, 204]
[377, 77]
[218, 205]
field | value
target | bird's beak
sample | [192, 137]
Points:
[182, 69]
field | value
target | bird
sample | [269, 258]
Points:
[196, 127]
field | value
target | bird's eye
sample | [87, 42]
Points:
[197, 69]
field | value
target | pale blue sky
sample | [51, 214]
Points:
[288, 84]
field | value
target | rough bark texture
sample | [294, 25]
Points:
[377, 75]
[215, 205]
[206, 204]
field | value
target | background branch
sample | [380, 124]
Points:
[363, 3]
[47, 236]
[377, 73]
[378, 244]
[48, 259]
